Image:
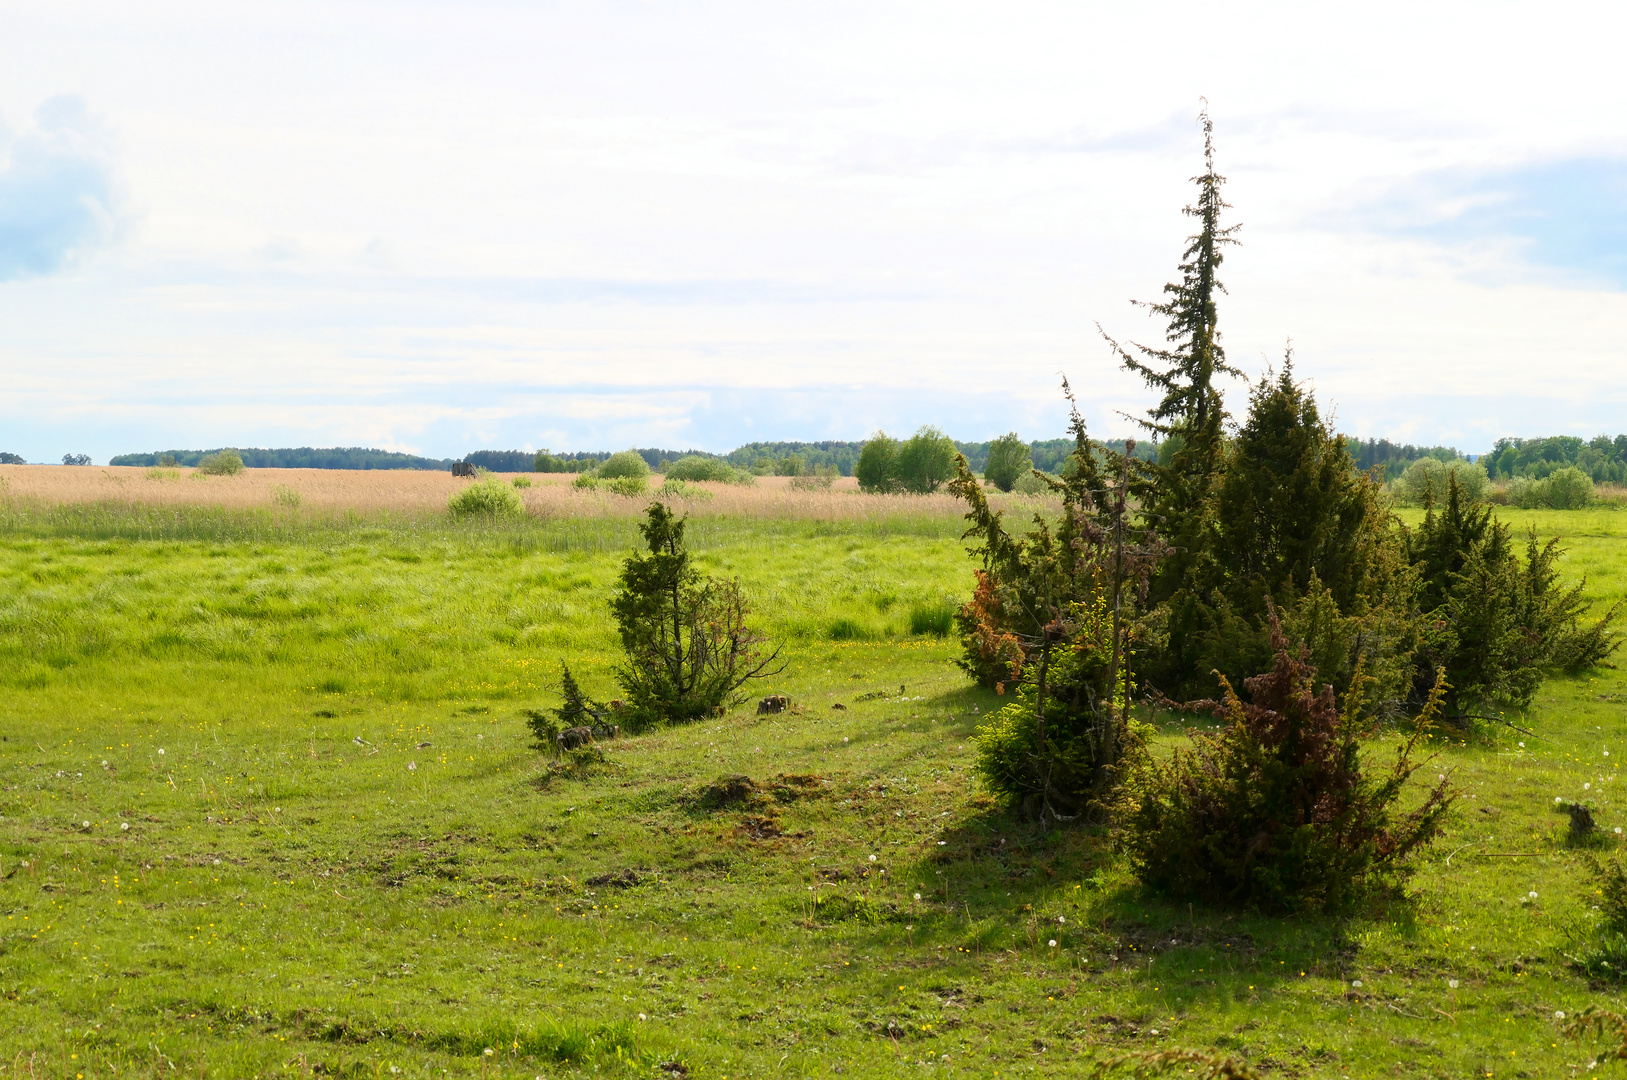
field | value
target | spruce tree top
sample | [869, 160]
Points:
[1184, 372]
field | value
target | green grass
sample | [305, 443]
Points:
[343, 857]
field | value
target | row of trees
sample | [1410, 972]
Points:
[1602, 458]
[1250, 546]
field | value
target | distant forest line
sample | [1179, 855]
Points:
[1603, 458]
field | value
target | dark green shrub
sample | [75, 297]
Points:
[488, 497]
[1009, 460]
[1054, 613]
[1277, 810]
[1496, 626]
[688, 650]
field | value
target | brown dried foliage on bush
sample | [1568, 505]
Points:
[1276, 810]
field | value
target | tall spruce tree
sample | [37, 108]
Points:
[1177, 496]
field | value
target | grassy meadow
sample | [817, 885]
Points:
[269, 807]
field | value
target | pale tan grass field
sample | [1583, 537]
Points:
[414, 493]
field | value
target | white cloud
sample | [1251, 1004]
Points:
[58, 195]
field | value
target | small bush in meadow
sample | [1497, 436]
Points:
[819, 479]
[677, 489]
[223, 463]
[522, 481]
[1429, 475]
[1277, 810]
[695, 469]
[1031, 484]
[1565, 489]
[688, 650]
[623, 465]
[488, 497]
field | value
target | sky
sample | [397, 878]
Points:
[439, 227]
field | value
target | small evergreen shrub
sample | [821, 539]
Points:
[224, 463]
[1277, 810]
[687, 648]
[488, 497]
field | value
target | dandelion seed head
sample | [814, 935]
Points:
[124, 826]
[918, 895]
[160, 750]
[1052, 943]
[1356, 983]
[1559, 1014]
[1532, 894]
[1453, 983]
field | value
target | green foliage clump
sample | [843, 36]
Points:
[1568, 488]
[1009, 461]
[687, 648]
[522, 481]
[695, 468]
[1276, 810]
[622, 465]
[627, 486]
[926, 461]
[488, 497]
[1053, 612]
[920, 465]
[935, 618]
[224, 463]
[1293, 522]
[1601, 950]
[678, 489]
[576, 709]
[877, 467]
[821, 478]
[1427, 478]
[1497, 627]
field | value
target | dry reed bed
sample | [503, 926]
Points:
[412, 493]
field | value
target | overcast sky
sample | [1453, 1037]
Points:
[443, 227]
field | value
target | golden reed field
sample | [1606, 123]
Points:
[413, 493]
